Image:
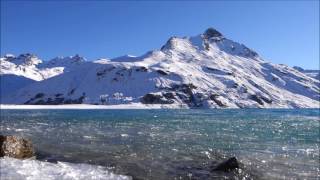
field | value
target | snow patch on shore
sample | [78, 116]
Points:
[89, 106]
[34, 170]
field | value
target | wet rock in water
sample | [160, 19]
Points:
[228, 165]
[16, 147]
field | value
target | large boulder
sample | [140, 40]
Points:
[16, 147]
[228, 165]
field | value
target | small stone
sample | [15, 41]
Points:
[16, 147]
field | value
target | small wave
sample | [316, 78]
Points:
[124, 135]
[88, 137]
[34, 170]
[45, 124]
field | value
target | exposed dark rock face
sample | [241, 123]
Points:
[162, 72]
[211, 32]
[249, 52]
[25, 59]
[212, 69]
[227, 165]
[260, 99]
[219, 71]
[40, 102]
[40, 99]
[155, 99]
[75, 101]
[185, 98]
[58, 95]
[257, 99]
[214, 97]
[77, 58]
[16, 147]
[56, 101]
[39, 95]
[186, 88]
[298, 68]
[266, 99]
[206, 46]
[185, 93]
[169, 95]
[71, 91]
[100, 73]
[104, 71]
[142, 69]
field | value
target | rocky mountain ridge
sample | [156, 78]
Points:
[203, 71]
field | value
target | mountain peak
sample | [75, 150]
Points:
[211, 32]
[69, 59]
[9, 56]
[23, 59]
[62, 61]
[206, 70]
[170, 43]
[78, 58]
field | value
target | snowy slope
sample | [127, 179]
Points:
[312, 73]
[24, 65]
[31, 67]
[67, 63]
[10, 83]
[207, 70]
[18, 72]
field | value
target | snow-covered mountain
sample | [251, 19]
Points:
[312, 73]
[31, 67]
[18, 72]
[207, 70]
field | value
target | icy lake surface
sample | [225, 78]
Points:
[164, 144]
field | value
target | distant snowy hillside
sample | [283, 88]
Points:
[31, 67]
[312, 73]
[67, 63]
[24, 65]
[205, 71]
[18, 72]
[10, 83]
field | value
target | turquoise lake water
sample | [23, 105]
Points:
[176, 144]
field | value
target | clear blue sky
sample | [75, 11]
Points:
[281, 32]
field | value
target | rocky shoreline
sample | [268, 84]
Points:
[22, 148]
[16, 147]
